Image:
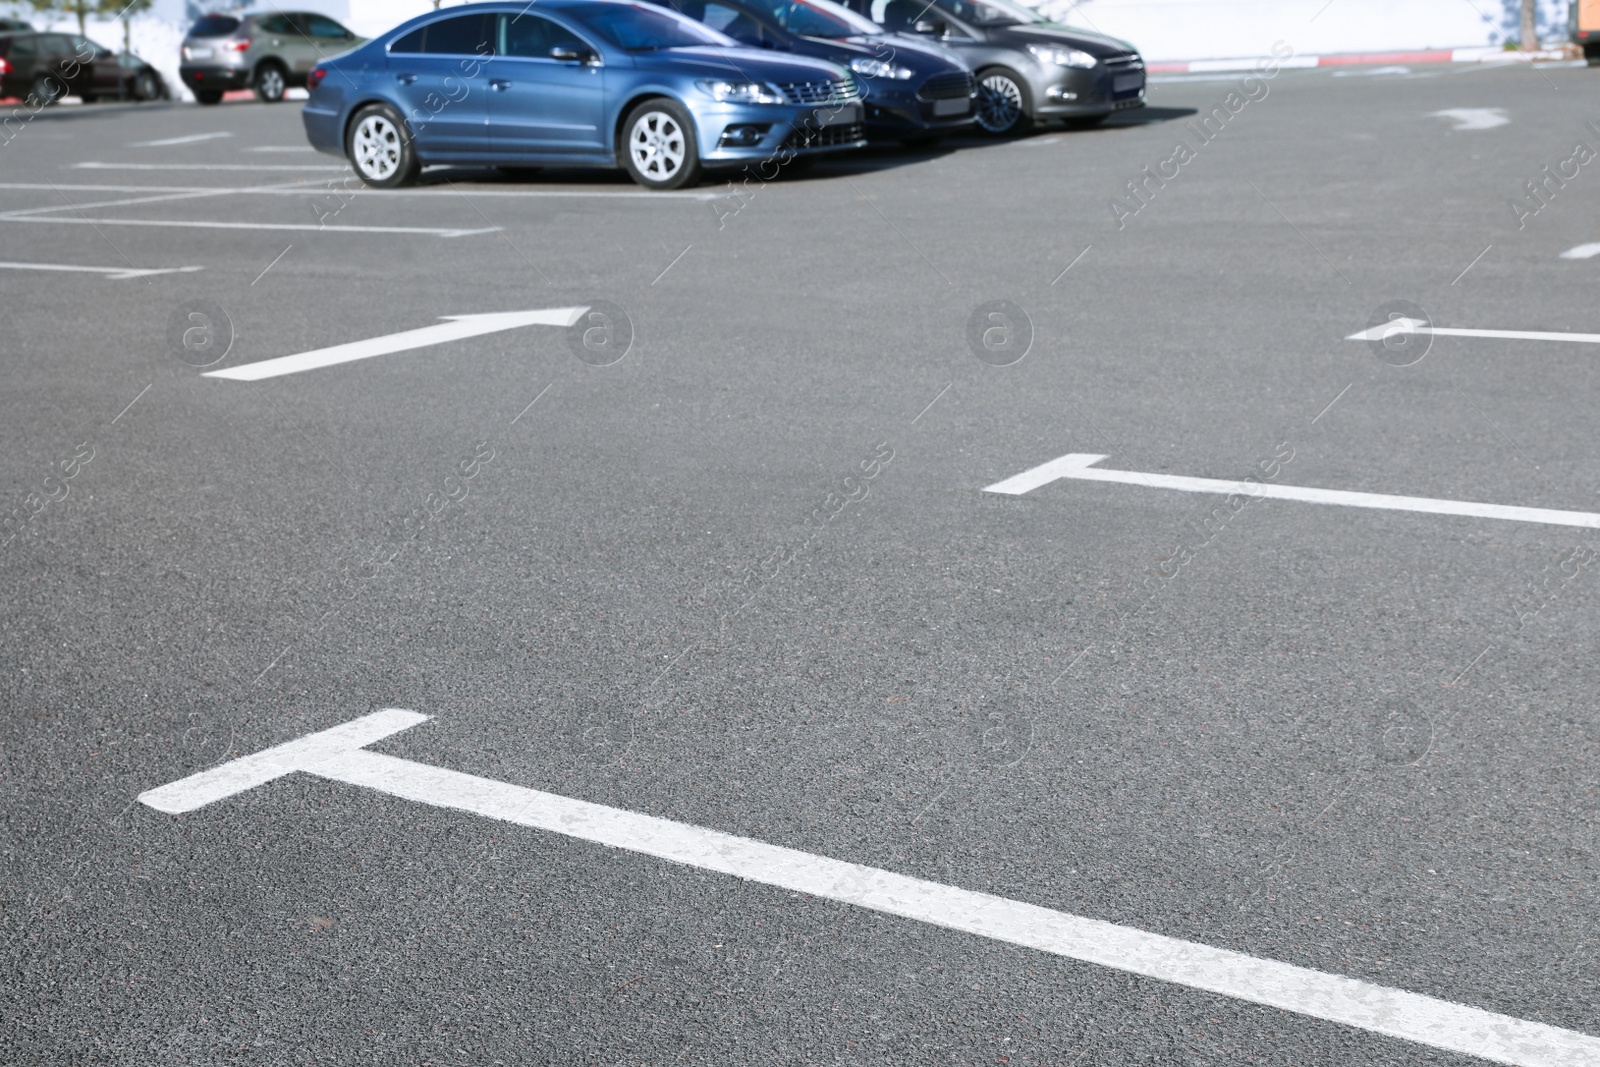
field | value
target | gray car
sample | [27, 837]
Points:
[267, 51]
[1028, 68]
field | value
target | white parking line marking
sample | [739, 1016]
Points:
[454, 328]
[282, 148]
[1405, 325]
[207, 166]
[1588, 251]
[111, 273]
[1473, 118]
[339, 755]
[189, 139]
[296, 226]
[1080, 465]
[300, 188]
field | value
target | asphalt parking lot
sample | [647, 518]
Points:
[725, 556]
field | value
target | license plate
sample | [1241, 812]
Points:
[198, 53]
[959, 106]
[844, 115]
[1122, 83]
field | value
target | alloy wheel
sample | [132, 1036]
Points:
[656, 144]
[377, 148]
[270, 84]
[999, 103]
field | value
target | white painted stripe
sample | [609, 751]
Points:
[312, 187]
[207, 166]
[338, 755]
[113, 273]
[1588, 251]
[1079, 465]
[188, 139]
[1379, 332]
[1213, 65]
[281, 148]
[454, 328]
[1473, 118]
[312, 227]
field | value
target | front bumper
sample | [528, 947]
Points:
[745, 133]
[221, 79]
[1100, 91]
[939, 104]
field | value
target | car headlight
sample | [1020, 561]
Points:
[1063, 57]
[742, 92]
[877, 68]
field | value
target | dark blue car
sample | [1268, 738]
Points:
[602, 83]
[915, 89]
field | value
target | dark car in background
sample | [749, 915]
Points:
[915, 89]
[269, 52]
[1028, 68]
[44, 67]
[603, 83]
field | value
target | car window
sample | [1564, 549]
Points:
[532, 37]
[637, 29]
[321, 26]
[467, 35]
[990, 12]
[23, 47]
[733, 22]
[54, 45]
[274, 24]
[82, 46]
[818, 19]
[214, 26]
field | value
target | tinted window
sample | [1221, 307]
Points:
[639, 30]
[274, 24]
[731, 21]
[530, 36]
[23, 46]
[410, 44]
[818, 19]
[464, 35]
[318, 26]
[54, 45]
[214, 26]
[83, 47]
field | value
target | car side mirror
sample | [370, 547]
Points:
[568, 54]
[930, 27]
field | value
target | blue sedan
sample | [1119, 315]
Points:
[602, 83]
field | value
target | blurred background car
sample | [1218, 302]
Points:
[602, 83]
[916, 90]
[44, 67]
[1028, 68]
[269, 52]
[15, 26]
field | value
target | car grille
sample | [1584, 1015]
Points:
[1126, 63]
[1127, 76]
[946, 86]
[824, 136]
[821, 94]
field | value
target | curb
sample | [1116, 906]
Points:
[1435, 55]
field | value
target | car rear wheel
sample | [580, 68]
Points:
[146, 87]
[658, 145]
[1003, 104]
[379, 148]
[270, 83]
[45, 91]
[208, 96]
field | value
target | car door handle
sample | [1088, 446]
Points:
[405, 79]
[499, 83]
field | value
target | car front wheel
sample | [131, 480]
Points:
[146, 87]
[379, 148]
[658, 145]
[1003, 104]
[45, 91]
[270, 83]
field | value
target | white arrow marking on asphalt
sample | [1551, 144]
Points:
[454, 328]
[187, 139]
[1474, 118]
[1080, 465]
[1418, 326]
[1588, 251]
[338, 754]
[113, 273]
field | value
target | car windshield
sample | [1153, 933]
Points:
[990, 12]
[214, 26]
[640, 29]
[818, 18]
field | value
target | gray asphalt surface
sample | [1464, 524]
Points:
[1359, 741]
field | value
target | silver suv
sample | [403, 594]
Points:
[267, 51]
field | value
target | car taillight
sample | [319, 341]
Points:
[5, 68]
[236, 46]
[314, 79]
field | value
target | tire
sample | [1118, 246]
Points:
[379, 147]
[46, 90]
[270, 82]
[146, 87]
[519, 174]
[1005, 107]
[208, 97]
[658, 146]
[88, 98]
